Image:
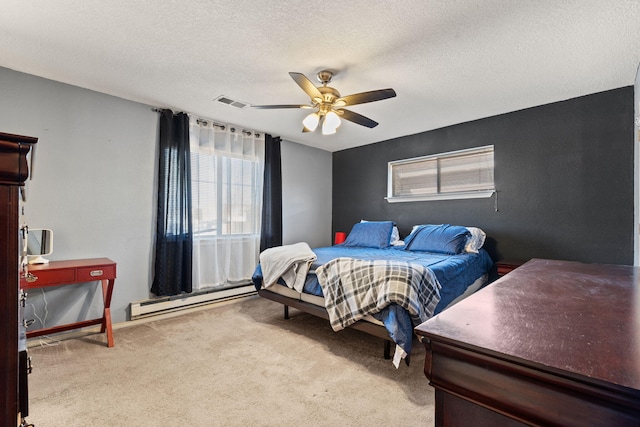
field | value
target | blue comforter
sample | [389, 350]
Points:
[454, 272]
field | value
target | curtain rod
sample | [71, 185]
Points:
[206, 121]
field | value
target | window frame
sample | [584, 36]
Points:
[441, 195]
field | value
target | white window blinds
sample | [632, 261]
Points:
[452, 175]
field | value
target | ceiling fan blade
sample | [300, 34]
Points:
[271, 107]
[364, 97]
[357, 118]
[306, 85]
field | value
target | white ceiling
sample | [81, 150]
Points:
[449, 61]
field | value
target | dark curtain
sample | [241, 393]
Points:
[271, 230]
[174, 233]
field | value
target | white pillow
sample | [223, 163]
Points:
[475, 242]
[395, 235]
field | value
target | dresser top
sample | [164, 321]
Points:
[567, 318]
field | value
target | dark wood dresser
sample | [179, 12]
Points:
[552, 343]
[14, 171]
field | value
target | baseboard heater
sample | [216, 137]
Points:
[163, 305]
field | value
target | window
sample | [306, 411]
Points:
[226, 191]
[461, 174]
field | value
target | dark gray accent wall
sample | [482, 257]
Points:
[563, 174]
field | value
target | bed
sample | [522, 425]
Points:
[376, 283]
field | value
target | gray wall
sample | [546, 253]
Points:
[94, 185]
[306, 195]
[564, 173]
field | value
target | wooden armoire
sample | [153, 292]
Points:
[14, 171]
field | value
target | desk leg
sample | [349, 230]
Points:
[107, 291]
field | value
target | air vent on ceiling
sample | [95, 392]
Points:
[231, 102]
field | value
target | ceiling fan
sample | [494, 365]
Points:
[329, 105]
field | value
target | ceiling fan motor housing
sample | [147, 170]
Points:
[329, 95]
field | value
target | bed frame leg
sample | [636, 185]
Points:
[387, 349]
[286, 312]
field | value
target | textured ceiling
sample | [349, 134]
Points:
[449, 61]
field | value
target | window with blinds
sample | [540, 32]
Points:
[460, 174]
[226, 196]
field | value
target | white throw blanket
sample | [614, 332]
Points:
[291, 262]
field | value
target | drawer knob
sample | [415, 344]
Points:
[96, 273]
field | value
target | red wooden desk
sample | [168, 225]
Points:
[58, 273]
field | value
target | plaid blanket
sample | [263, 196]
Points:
[353, 288]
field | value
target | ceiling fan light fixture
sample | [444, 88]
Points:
[311, 122]
[326, 130]
[332, 120]
[330, 123]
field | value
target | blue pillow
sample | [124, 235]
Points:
[370, 234]
[443, 239]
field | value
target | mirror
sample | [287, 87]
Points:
[39, 244]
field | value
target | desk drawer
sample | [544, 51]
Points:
[102, 272]
[52, 277]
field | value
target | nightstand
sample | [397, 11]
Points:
[507, 266]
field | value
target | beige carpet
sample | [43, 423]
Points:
[239, 364]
